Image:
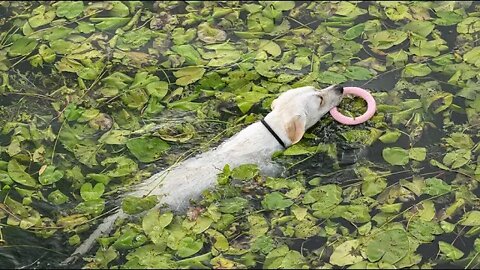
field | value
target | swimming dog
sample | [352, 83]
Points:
[293, 112]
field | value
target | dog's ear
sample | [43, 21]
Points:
[295, 128]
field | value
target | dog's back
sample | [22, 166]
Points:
[187, 180]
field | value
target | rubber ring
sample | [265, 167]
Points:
[371, 107]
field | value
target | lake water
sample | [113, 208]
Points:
[36, 89]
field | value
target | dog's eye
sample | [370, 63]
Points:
[321, 99]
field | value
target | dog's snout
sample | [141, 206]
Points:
[338, 89]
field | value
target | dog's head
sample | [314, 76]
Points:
[301, 108]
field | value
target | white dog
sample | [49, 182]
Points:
[293, 112]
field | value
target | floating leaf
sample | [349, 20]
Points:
[93, 207]
[471, 218]
[153, 221]
[469, 25]
[422, 28]
[450, 251]
[387, 38]
[22, 46]
[17, 173]
[232, 205]
[245, 171]
[416, 70]
[41, 19]
[263, 244]
[50, 175]
[354, 31]
[124, 166]
[331, 77]
[275, 201]
[189, 246]
[57, 197]
[358, 73]
[69, 9]
[270, 47]
[147, 149]
[220, 242]
[209, 34]
[435, 186]
[105, 24]
[390, 136]
[188, 75]
[134, 205]
[353, 213]
[389, 246]
[246, 100]
[457, 158]
[118, 9]
[460, 140]
[90, 193]
[396, 155]
[417, 153]
[346, 253]
[424, 231]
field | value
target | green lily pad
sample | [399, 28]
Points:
[188, 75]
[50, 175]
[457, 158]
[17, 173]
[245, 171]
[105, 24]
[124, 166]
[209, 34]
[396, 155]
[232, 205]
[390, 136]
[424, 231]
[387, 38]
[469, 25]
[422, 28]
[41, 19]
[450, 251]
[435, 186]
[90, 193]
[416, 70]
[417, 153]
[345, 254]
[57, 197]
[93, 207]
[246, 100]
[147, 149]
[189, 246]
[275, 201]
[471, 218]
[134, 205]
[388, 246]
[69, 9]
[354, 31]
[22, 46]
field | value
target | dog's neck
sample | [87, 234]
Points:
[255, 142]
[277, 123]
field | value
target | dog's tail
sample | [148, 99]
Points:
[102, 229]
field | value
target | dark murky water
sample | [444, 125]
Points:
[25, 250]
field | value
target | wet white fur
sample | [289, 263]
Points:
[254, 145]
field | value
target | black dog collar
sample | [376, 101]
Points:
[273, 133]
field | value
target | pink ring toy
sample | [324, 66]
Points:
[371, 107]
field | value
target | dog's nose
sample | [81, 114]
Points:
[338, 89]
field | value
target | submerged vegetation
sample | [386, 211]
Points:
[97, 96]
